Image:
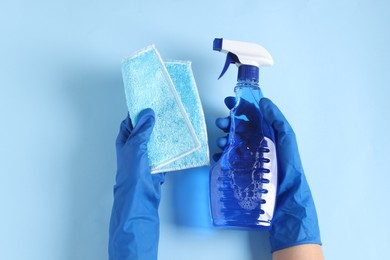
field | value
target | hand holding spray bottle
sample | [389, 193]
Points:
[244, 180]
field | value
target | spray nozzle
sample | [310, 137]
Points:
[251, 55]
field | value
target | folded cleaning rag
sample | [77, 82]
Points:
[179, 137]
[184, 82]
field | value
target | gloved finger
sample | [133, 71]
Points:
[124, 130]
[217, 156]
[144, 127]
[223, 123]
[230, 102]
[222, 141]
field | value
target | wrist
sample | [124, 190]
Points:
[299, 252]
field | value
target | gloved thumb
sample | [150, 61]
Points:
[144, 127]
[275, 118]
[286, 143]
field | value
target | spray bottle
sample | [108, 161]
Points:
[243, 182]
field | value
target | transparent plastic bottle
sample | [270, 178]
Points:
[243, 182]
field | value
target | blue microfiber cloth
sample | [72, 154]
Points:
[184, 82]
[148, 85]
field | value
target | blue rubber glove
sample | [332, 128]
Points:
[134, 225]
[295, 218]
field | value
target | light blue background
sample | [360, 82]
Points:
[62, 101]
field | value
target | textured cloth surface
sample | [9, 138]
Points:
[148, 85]
[184, 82]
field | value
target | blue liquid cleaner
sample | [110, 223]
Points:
[239, 181]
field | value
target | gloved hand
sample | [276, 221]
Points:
[295, 217]
[134, 225]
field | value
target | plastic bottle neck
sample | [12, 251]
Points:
[248, 89]
[247, 83]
